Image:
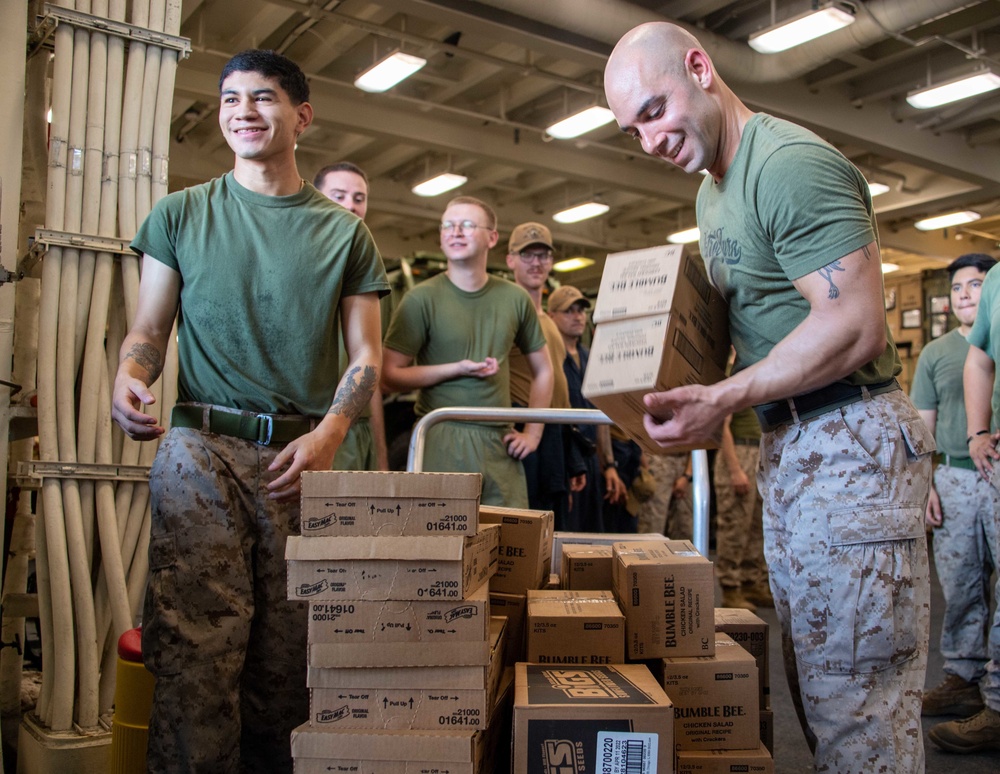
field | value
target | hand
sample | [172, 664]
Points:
[933, 513]
[680, 487]
[740, 482]
[578, 483]
[683, 415]
[521, 443]
[312, 451]
[614, 486]
[129, 394]
[481, 370]
[982, 449]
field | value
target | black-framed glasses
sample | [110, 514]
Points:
[531, 256]
[465, 226]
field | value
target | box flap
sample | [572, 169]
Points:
[410, 548]
[638, 282]
[390, 484]
[379, 745]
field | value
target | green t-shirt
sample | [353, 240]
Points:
[261, 283]
[437, 322]
[745, 425]
[938, 386]
[788, 205]
[985, 332]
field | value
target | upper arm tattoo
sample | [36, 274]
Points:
[147, 356]
[354, 394]
[867, 252]
[827, 273]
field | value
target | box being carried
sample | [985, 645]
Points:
[524, 558]
[355, 503]
[438, 567]
[612, 718]
[666, 590]
[660, 324]
[575, 627]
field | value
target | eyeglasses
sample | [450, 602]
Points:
[530, 256]
[575, 310]
[465, 226]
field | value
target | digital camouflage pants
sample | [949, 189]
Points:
[739, 532]
[227, 648]
[966, 547]
[663, 513]
[844, 497]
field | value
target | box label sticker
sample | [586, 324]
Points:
[626, 753]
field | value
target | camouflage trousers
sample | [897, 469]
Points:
[844, 497]
[739, 532]
[465, 447]
[966, 553]
[227, 648]
[664, 513]
[357, 452]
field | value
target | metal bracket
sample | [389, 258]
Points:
[16, 644]
[37, 471]
[47, 238]
[55, 14]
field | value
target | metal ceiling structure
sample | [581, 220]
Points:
[500, 71]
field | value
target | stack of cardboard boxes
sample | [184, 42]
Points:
[405, 662]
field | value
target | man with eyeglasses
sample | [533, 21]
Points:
[451, 338]
[556, 467]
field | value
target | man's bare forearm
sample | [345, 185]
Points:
[144, 354]
[355, 391]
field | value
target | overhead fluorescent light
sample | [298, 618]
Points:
[573, 264]
[581, 123]
[877, 189]
[944, 221]
[968, 85]
[889, 268]
[439, 184]
[389, 71]
[581, 212]
[685, 237]
[800, 29]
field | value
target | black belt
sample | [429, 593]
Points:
[264, 429]
[812, 404]
[965, 463]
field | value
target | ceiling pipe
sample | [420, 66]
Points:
[607, 20]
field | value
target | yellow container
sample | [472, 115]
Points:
[133, 703]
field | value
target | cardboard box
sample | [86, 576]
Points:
[767, 730]
[514, 607]
[373, 633]
[661, 324]
[715, 698]
[757, 761]
[568, 719]
[524, 558]
[359, 503]
[586, 567]
[574, 627]
[560, 539]
[409, 697]
[667, 591]
[749, 632]
[323, 750]
[439, 567]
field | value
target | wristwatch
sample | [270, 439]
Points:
[611, 463]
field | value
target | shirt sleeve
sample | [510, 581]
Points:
[408, 329]
[923, 393]
[157, 236]
[980, 336]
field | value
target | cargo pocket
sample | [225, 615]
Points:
[917, 437]
[159, 614]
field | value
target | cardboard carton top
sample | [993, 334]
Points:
[381, 745]
[492, 514]
[390, 484]
[657, 552]
[582, 551]
[537, 685]
[727, 650]
[736, 616]
[412, 548]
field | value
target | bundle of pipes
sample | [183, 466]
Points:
[107, 167]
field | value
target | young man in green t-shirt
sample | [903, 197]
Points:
[963, 509]
[257, 407]
[451, 338]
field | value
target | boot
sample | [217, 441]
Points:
[954, 696]
[980, 732]
[732, 596]
[758, 594]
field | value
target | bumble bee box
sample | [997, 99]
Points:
[756, 761]
[524, 558]
[586, 567]
[438, 567]
[574, 627]
[715, 698]
[667, 591]
[382, 633]
[608, 718]
[359, 503]
[751, 633]
[514, 607]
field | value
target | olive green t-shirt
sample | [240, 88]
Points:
[745, 426]
[938, 386]
[985, 332]
[789, 205]
[520, 371]
[437, 323]
[261, 283]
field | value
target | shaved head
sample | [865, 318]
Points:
[659, 45]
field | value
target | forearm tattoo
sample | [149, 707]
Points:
[354, 394]
[827, 273]
[146, 356]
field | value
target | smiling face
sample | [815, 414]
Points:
[463, 244]
[348, 189]
[258, 119]
[966, 287]
[531, 266]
